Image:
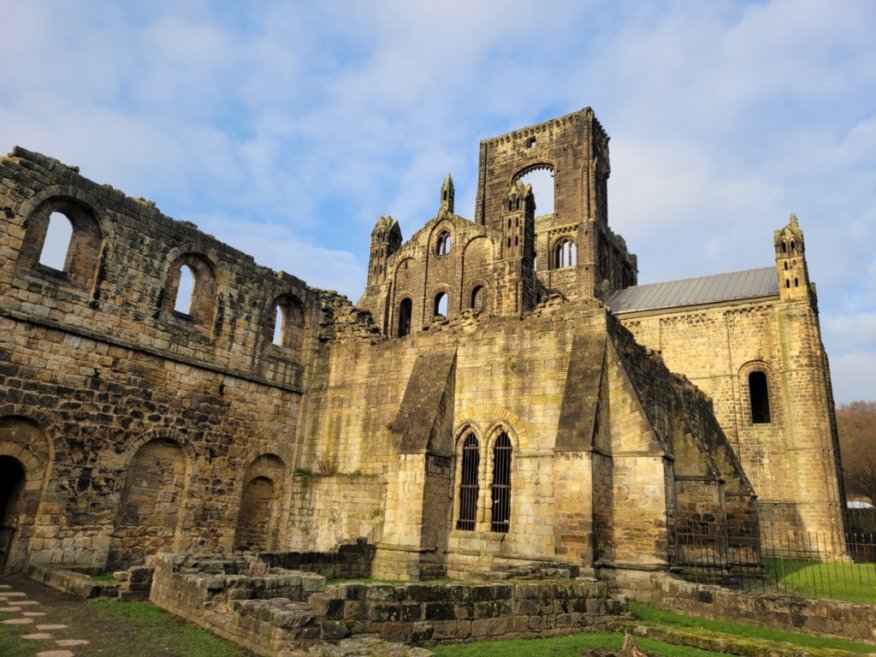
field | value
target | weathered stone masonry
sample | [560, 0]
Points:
[128, 416]
[262, 414]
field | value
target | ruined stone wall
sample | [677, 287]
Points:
[580, 419]
[146, 416]
[791, 460]
[280, 610]
[329, 508]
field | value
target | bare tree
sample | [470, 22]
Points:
[857, 432]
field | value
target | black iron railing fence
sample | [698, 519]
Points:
[809, 564]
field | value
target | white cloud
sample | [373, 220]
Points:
[313, 119]
[276, 246]
[852, 376]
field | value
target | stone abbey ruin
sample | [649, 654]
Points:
[503, 394]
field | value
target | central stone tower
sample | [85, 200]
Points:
[575, 251]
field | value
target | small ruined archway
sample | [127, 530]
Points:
[259, 513]
[12, 479]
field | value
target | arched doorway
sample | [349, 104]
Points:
[12, 478]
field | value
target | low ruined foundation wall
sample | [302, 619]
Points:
[73, 582]
[349, 561]
[268, 610]
[816, 616]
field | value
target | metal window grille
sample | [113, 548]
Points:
[468, 489]
[501, 484]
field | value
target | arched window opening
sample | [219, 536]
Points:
[787, 282]
[565, 254]
[542, 181]
[468, 487]
[441, 304]
[760, 397]
[796, 283]
[57, 243]
[477, 298]
[792, 246]
[405, 311]
[501, 488]
[185, 290]
[279, 325]
[288, 319]
[786, 266]
[442, 245]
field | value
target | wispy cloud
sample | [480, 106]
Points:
[288, 128]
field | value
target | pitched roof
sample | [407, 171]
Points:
[747, 284]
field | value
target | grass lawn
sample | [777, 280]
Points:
[572, 645]
[167, 635]
[565, 646]
[12, 646]
[851, 582]
[671, 619]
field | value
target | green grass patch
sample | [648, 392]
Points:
[655, 616]
[850, 582]
[104, 577]
[12, 645]
[565, 646]
[149, 627]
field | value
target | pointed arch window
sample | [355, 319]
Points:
[501, 487]
[442, 244]
[468, 487]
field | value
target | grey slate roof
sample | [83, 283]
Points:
[746, 284]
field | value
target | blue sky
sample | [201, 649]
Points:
[286, 128]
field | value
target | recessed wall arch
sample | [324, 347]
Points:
[153, 498]
[499, 416]
[260, 508]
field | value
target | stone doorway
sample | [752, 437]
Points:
[12, 478]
